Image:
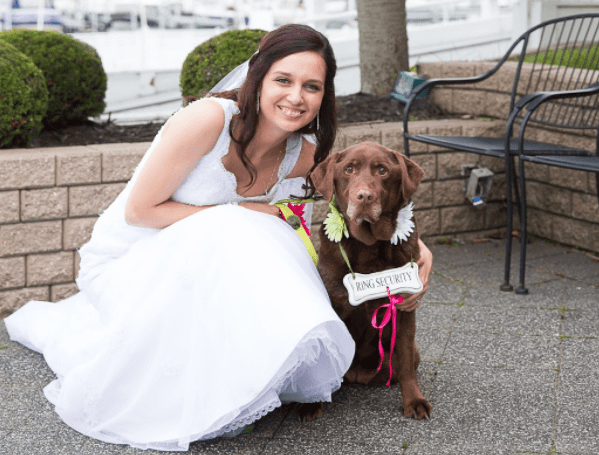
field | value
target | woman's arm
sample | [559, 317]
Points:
[425, 265]
[186, 138]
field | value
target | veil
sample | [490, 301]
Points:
[233, 80]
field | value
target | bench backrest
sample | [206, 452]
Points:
[556, 55]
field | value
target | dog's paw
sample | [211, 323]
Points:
[309, 411]
[418, 408]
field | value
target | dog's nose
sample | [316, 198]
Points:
[365, 196]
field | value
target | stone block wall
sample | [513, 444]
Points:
[49, 202]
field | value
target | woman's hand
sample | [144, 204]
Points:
[425, 265]
[261, 207]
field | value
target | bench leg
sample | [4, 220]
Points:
[521, 289]
[510, 176]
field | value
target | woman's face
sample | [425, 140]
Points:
[292, 91]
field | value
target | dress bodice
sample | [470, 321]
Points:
[210, 183]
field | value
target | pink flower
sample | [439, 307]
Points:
[298, 209]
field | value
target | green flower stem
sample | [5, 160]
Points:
[344, 254]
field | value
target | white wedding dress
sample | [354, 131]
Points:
[191, 331]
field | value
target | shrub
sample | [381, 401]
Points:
[23, 98]
[73, 71]
[212, 60]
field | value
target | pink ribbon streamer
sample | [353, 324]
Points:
[390, 314]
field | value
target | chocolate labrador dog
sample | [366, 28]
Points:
[371, 184]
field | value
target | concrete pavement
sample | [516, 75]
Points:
[506, 374]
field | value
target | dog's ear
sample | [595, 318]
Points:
[323, 175]
[411, 175]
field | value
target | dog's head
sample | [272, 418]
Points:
[371, 184]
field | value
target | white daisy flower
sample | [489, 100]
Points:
[405, 225]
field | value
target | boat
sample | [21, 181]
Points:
[39, 15]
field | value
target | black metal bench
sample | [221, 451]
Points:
[560, 90]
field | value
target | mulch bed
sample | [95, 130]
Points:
[356, 108]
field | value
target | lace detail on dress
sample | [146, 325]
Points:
[210, 183]
[310, 346]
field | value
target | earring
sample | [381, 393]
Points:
[258, 103]
[318, 121]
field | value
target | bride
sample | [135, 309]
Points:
[200, 309]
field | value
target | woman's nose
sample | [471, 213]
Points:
[295, 95]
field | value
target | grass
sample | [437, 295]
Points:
[586, 57]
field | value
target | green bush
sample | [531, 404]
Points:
[23, 98]
[212, 60]
[73, 71]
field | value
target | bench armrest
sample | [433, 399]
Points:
[541, 97]
[451, 81]
[534, 100]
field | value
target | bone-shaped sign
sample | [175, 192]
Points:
[374, 285]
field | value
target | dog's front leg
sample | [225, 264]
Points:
[406, 360]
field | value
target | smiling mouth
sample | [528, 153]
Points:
[290, 112]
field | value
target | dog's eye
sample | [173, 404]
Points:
[382, 170]
[349, 169]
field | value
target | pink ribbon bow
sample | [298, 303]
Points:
[390, 314]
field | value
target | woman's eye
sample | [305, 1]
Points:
[314, 88]
[283, 80]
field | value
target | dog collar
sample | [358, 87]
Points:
[336, 227]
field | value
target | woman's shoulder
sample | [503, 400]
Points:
[195, 129]
[197, 117]
[207, 106]
[225, 103]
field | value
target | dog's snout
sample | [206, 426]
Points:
[365, 196]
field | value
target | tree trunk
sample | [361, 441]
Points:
[383, 44]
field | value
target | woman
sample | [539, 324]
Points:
[200, 309]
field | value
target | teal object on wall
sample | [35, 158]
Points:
[406, 82]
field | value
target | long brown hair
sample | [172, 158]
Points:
[286, 40]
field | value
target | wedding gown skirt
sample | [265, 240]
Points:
[194, 331]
